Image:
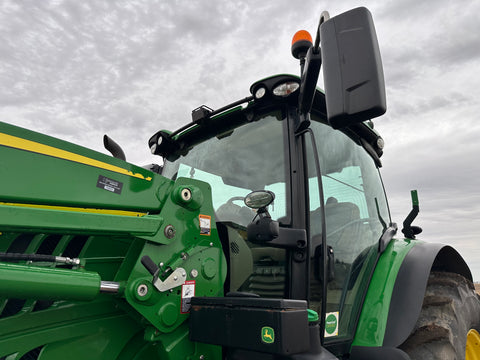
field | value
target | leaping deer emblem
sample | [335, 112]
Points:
[267, 335]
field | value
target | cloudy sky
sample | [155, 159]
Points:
[80, 69]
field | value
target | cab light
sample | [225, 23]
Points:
[380, 143]
[286, 89]
[260, 92]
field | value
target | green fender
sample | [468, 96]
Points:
[394, 299]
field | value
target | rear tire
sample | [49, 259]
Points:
[451, 307]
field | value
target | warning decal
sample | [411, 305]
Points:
[188, 291]
[205, 225]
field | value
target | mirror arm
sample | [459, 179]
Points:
[266, 231]
[290, 238]
[309, 80]
[310, 68]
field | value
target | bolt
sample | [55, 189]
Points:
[175, 278]
[186, 194]
[202, 357]
[161, 264]
[169, 232]
[184, 256]
[194, 273]
[142, 290]
[211, 244]
[184, 274]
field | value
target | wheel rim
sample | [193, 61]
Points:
[472, 351]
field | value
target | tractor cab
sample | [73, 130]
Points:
[319, 158]
[326, 182]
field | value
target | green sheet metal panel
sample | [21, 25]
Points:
[373, 319]
[36, 168]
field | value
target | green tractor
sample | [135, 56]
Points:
[265, 234]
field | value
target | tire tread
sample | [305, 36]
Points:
[450, 308]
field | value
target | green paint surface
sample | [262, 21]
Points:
[373, 318]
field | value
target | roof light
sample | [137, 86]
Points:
[260, 92]
[286, 89]
[380, 143]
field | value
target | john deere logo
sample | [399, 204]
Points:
[268, 335]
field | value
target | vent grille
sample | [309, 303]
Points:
[234, 248]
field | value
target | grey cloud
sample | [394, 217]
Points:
[129, 68]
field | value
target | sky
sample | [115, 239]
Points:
[80, 69]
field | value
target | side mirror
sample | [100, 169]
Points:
[352, 68]
[259, 199]
[262, 228]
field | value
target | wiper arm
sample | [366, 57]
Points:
[388, 231]
[387, 235]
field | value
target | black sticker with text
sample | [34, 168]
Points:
[109, 184]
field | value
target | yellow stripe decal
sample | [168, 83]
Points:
[87, 210]
[23, 144]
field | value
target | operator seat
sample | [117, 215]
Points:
[340, 218]
[343, 236]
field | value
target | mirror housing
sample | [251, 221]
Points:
[352, 68]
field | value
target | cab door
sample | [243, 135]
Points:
[348, 211]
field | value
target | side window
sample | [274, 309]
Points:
[353, 198]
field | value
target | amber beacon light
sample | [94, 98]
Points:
[301, 42]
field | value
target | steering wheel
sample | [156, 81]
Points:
[349, 224]
[232, 212]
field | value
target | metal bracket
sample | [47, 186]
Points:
[176, 278]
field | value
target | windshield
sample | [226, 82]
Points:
[248, 158]
[356, 214]
[235, 163]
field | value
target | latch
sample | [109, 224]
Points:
[175, 279]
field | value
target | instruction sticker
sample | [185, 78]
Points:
[109, 184]
[188, 291]
[331, 324]
[205, 225]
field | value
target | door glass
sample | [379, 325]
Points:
[248, 158]
[355, 213]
